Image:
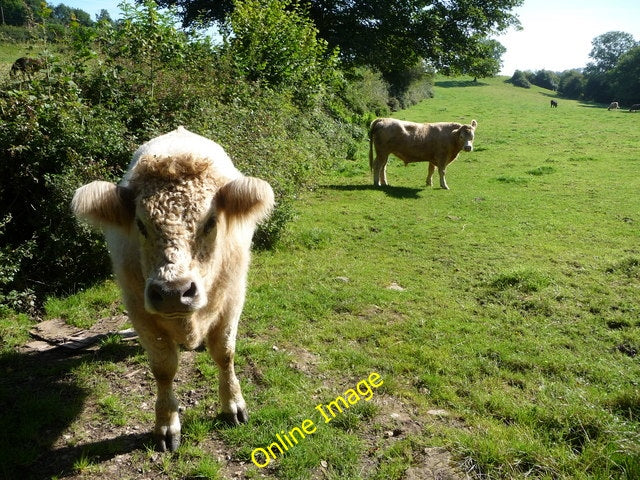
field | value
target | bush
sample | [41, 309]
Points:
[519, 79]
[409, 86]
[571, 84]
[545, 79]
[50, 142]
[273, 42]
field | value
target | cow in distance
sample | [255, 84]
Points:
[179, 227]
[26, 66]
[436, 143]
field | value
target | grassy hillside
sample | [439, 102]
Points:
[501, 316]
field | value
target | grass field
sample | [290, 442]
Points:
[502, 317]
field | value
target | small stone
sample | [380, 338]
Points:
[438, 412]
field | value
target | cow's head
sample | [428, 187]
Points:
[466, 134]
[182, 219]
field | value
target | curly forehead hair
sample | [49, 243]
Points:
[171, 167]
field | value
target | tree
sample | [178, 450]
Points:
[546, 79]
[608, 48]
[19, 12]
[104, 16]
[597, 86]
[488, 61]
[519, 79]
[571, 84]
[625, 77]
[391, 36]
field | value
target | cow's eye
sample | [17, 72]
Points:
[141, 227]
[209, 224]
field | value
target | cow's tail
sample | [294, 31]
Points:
[373, 126]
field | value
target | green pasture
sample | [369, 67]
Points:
[502, 317]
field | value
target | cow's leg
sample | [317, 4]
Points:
[442, 170]
[163, 356]
[383, 174]
[380, 170]
[432, 168]
[222, 345]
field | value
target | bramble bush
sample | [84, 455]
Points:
[111, 87]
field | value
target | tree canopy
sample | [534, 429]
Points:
[608, 48]
[391, 35]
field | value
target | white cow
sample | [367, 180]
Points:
[179, 229]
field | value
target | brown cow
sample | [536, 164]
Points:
[436, 143]
[26, 66]
[635, 107]
[613, 106]
[179, 228]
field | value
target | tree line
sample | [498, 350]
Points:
[22, 13]
[612, 75]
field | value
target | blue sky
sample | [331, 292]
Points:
[556, 34]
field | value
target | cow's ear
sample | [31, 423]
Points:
[474, 124]
[104, 204]
[246, 198]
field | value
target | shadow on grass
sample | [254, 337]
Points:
[393, 192]
[592, 105]
[460, 83]
[40, 400]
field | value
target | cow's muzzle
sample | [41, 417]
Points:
[170, 298]
[468, 147]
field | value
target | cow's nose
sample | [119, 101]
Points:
[468, 148]
[172, 297]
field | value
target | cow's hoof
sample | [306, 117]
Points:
[166, 442]
[234, 419]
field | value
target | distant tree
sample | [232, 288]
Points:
[519, 79]
[625, 77]
[19, 12]
[571, 84]
[597, 84]
[608, 48]
[545, 79]
[62, 14]
[488, 62]
[82, 17]
[104, 16]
